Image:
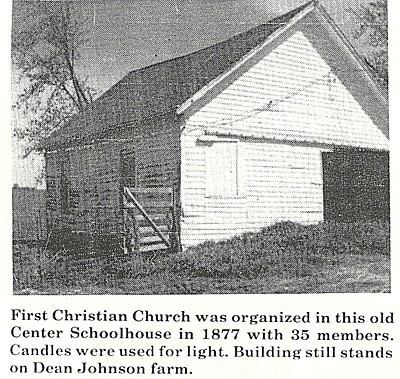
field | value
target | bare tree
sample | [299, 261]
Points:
[372, 24]
[45, 55]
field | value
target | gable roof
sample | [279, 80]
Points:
[161, 88]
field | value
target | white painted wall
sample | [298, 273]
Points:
[302, 98]
[290, 96]
[277, 182]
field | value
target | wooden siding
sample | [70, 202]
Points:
[93, 190]
[95, 176]
[284, 111]
[29, 214]
[278, 182]
[291, 94]
[162, 87]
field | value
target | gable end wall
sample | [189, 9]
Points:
[284, 111]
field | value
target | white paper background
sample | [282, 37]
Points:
[228, 304]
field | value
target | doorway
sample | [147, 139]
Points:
[356, 185]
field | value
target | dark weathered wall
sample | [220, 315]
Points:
[29, 214]
[91, 175]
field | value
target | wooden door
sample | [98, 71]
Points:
[128, 169]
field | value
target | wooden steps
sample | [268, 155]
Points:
[150, 213]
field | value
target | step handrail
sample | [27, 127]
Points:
[132, 198]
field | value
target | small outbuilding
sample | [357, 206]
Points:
[282, 122]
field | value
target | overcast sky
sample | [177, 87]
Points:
[128, 34]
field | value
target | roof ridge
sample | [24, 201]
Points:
[292, 12]
[283, 17]
[165, 85]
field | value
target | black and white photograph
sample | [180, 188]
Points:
[171, 147]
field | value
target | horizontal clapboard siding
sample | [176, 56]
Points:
[291, 94]
[93, 188]
[94, 176]
[279, 182]
[283, 183]
[29, 214]
[283, 112]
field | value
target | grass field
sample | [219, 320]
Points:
[283, 258]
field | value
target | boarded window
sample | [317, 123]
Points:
[222, 169]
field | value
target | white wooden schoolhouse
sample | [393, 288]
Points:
[284, 122]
